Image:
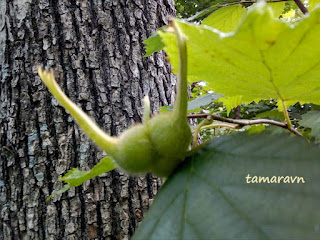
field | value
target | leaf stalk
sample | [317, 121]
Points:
[206, 121]
[181, 104]
[286, 115]
[244, 122]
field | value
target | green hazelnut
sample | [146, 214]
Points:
[134, 152]
[158, 145]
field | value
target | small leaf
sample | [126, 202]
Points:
[209, 197]
[312, 120]
[254, 129]
[231, 102]
[225, 19]
[65, 188]
[75, 177]
[165, 109]
[153, 44]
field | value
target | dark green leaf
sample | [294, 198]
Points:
[312, 120]
[208, 198]
[273, 114]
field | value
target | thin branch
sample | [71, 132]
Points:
[303, 9]
[226, 125]
[243, 2]
[242, 123]
[206, 121]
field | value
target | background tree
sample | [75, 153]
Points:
[95, 49]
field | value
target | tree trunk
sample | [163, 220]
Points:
[95, 49]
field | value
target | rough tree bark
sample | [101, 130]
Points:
[95, 48]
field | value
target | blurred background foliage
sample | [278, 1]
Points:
[196, 11]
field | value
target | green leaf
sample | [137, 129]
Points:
[225, 19]
[277, 8]
[273, 114]
[165, 109]
[153, 43]
[264, 59]
[231, 102]
[75, 177]
[254, 129]
[208, 198]
[65, 188]
[313, 3]
[312, 120]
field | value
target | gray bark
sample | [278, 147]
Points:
[95, 49]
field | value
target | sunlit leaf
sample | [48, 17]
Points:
[289, 14]
[277, 8]
[313, 3]
[153, 44]
[76, 177]
[231, 102]
[225, 19]
[264, 59]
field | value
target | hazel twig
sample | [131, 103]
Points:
[242, 122]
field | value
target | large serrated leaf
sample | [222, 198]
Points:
[225, 19]
[265, 58]
[312, 120]
[208, 198]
